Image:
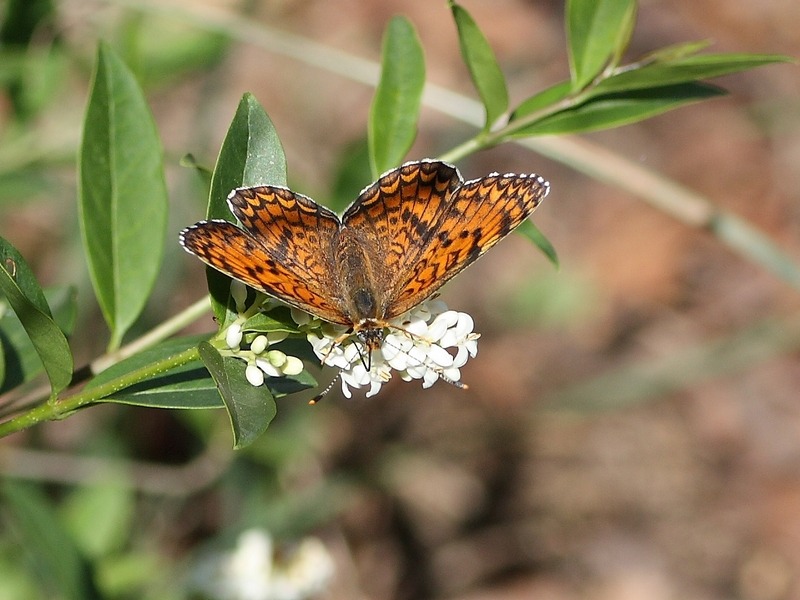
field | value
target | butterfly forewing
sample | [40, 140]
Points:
[286, 251]
[480, 213]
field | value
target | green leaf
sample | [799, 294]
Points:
[187, 386]
[395, 107]
[615, 110]
[683, 70]
[21, 362]
[351, 176]
[530, 231]
[60, 569]
[674, 52]
[482, 64]
[251, 155]
[542, 100]
[278, 319]
[28, 302]
[251, 409]
[597, 32]
[122, 196]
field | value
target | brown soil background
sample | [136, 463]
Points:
[497, 492]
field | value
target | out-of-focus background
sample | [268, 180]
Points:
[632, 424]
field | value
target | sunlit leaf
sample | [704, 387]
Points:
[250, 408]
[21, 361]
[530, 231]
[597, 32]
[186, 386]
[688, 69]
[615, 110]
[482, 64]
[542, 100]
[395, 107]
[27, 300]
[123, 196]
[251, 155]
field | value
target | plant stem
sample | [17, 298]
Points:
[155, 335]
[61, 409]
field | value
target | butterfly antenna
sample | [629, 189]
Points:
[366, 358]
[446, 379]
[327, 389]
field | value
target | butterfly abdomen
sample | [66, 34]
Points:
[357, 278]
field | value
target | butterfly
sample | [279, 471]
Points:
[403, 238]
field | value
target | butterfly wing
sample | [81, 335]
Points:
[479, 214]
[391, 216]
[284, 250]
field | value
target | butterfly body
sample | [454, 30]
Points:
[359, 279]
[404, 236]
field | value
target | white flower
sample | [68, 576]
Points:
[239, 295]
[254, 571]
[254, 375]
[292, 366]
[415, 345]
[233, 337]
[259, 344]
[260, 360]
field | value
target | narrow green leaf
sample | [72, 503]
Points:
[60, 569]
[278, 319]
[17, 268]
[187, 386]
[624, 34]
[597, 32]
[251, 409]
[27, 300]
[251, 155]
[122, 196]
[530, 231]
[542, 100]
[395, 107]
[674, 52]
[352, 175]
[615, 110]
[21, 361]
[687, 69]
[482, 64]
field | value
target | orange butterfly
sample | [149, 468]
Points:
[406, 235]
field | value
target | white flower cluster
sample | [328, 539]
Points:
[416, 346]
[261, 362]
[254, 571]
